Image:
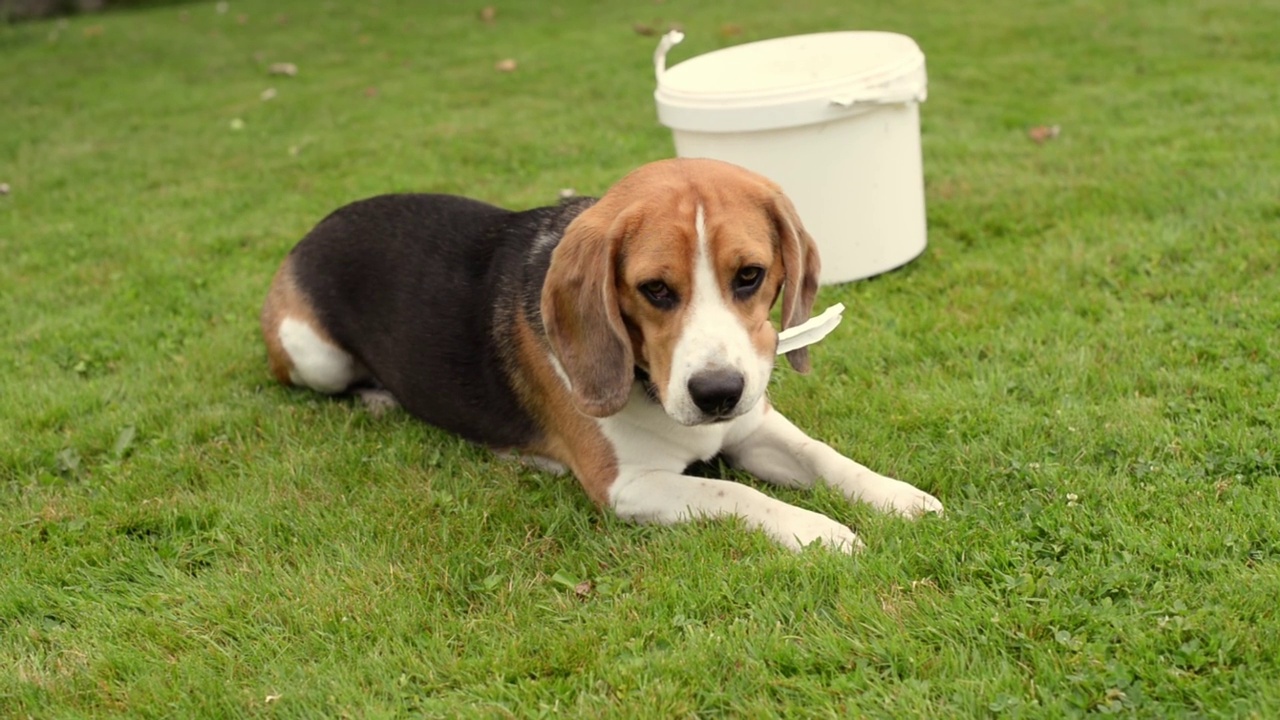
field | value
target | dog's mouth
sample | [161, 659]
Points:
[712, 418]
[650, 390]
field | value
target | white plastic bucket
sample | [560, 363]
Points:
[833, 118]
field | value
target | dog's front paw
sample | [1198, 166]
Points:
[809, 527]
[899, 498]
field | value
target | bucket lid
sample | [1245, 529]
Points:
[788, 81]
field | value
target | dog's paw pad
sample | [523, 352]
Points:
[377, 402]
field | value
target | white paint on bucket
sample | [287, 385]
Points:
[833, 118]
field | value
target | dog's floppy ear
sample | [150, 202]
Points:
[581, 315]
[801, 265]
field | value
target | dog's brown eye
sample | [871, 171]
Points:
[658, 294]
[747, 281]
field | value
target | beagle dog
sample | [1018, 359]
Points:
[622, 339]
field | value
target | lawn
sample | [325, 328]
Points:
[1084, 366]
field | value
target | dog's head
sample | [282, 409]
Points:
[675, 271]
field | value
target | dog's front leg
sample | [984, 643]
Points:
[664, 497]
[779, 452]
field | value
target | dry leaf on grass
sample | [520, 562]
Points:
[488, 14]
[268, 94]
[508, 65]
[644, 30]
[1044, 133]
[371, 92]
[730, 30]
[583, 589]
[283, 69]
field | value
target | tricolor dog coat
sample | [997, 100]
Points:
[622, 339]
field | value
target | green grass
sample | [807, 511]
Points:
[1083, 367]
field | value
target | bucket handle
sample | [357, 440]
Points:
[667, 42]
[852, 99]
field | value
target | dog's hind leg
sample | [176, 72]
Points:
[315, 361]
[299, 350]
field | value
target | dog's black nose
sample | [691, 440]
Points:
[716, 392]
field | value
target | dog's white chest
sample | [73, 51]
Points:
[644, 435]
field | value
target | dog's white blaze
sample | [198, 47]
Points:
[714, 338]
[316, 364]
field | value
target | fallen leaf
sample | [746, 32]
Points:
[583, 589]
[488, 14]
[268, 94]
[283, 69]
[371, 92]
[67, 461]
[508, 65]
[124, 441]
[1044, 133]
[644, 30]
[1221, 487]
[730, 30]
